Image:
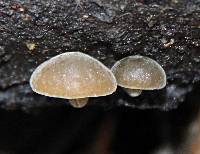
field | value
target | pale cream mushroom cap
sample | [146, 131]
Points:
[73, 75]
[139, 72]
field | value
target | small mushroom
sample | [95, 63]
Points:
[137, 73]
[74, 76]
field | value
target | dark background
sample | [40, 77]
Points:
[121, 130]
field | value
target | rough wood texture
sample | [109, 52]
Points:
[33, 31]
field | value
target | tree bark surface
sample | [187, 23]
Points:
[34, 31]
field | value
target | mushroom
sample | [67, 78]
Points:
[74, 76]
[137, 73]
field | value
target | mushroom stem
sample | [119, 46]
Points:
[133, 92]
[78, 103]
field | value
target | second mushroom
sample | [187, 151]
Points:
[137, 73]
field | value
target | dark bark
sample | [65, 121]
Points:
[167, 31]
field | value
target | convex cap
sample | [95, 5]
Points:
[73, 75]
[139, 72]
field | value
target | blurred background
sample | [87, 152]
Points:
[99, 130]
